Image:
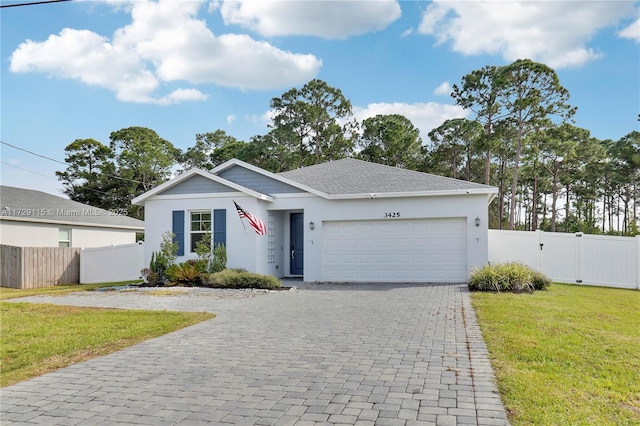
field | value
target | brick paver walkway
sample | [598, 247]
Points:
[364, 354]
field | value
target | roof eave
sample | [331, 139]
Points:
[410, 194]
[71, 223]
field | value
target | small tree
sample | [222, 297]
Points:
[204, 252]
[168, 249]
[161, 260]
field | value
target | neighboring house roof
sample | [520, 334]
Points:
[349, 176]
[27, 205]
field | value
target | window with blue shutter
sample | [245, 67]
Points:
[178, 230]
[220, 227]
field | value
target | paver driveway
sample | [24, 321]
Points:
[384, 354]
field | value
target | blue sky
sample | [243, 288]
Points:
[84, 69]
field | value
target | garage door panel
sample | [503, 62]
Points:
[384, 243]
[399, 243]
[424, 250]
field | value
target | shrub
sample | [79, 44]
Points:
[512, 276]
[155, 280]
[219, 262]
[540, 281]
[151, 277]
[185, 273]
[230, 278]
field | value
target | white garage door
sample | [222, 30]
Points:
[420, 250]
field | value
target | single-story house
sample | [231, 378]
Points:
[341, 221]
[31, 218]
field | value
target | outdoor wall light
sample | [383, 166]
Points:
[312, 225]
[477, 222]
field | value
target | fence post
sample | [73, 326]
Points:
[539, 252]
[82, 266]
[578, 259]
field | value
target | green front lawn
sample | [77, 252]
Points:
[39, 338]
[12, 293]
[569, 355]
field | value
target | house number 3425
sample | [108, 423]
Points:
[392, 214]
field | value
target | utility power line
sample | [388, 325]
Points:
[60, 162]
[32, 3]
[33, 153]
[49, 177]
[27, 170]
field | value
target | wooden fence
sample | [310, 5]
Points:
[38, 267]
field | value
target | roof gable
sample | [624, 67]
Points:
[257, 181]
[197, 184]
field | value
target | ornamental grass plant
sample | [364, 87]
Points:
[513, 277]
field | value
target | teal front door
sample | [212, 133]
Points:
[296, 261]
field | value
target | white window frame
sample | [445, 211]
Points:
[64, 242]
[201, 231]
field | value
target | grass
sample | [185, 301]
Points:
[11, 293]
[39, 338]
[566, 356]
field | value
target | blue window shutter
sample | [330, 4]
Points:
[178, 230]
[220, 227]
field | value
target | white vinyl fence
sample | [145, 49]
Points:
[571, 258]
[111, 263]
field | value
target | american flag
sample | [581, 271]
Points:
[255, 223]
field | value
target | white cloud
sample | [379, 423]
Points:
[326, 19]
[165, 42]
[555, 33]
[264, 119]
[443, 89]
[407, 32]
[425, 116]
[231, 118]
[88, 57]
[181, 95]
[632, 31]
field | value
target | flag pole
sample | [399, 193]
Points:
[241, 221]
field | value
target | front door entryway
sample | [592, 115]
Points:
[297, 244]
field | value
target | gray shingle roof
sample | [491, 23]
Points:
[20, 203]
[351, 176]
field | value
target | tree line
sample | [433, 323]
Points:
[519, 137]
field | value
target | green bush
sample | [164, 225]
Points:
[540, 281]
[219, 262]
[185, 274]
[155, 279]
[230, 278]
[512, 276]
